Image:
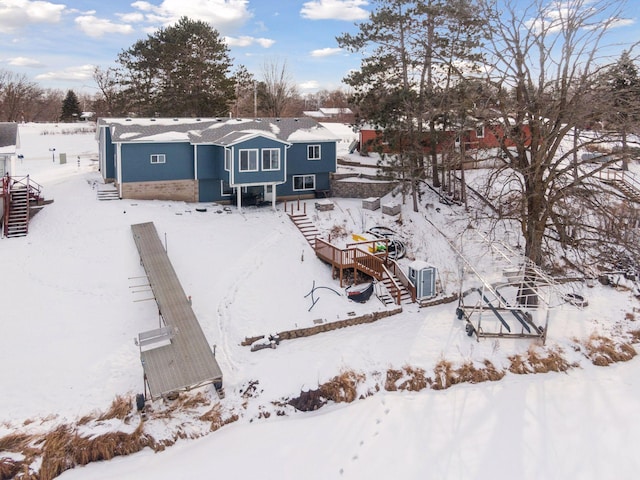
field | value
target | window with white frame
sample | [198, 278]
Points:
[248, 160]
[225, 189]
[271, 159]
[480, 131]
[313, 152]
[158, 158]
[227, 159]
[304, 182]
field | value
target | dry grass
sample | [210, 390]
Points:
[391, 382]
[409, 378]
[635, 336]
[9, 468]
[213, 416]
[469, 373]
[15, 442]
[64, 449]
[444, 375]
[534, 362]
[195, 401]
[88, 418]
[342, 388]
[216, 419]
[120, 408]
[603, 351]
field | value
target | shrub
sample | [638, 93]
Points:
[343, 387]
[603, 351]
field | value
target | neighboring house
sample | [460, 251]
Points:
[480, 134]
[331, 114]
[212, 159]
[9, 142]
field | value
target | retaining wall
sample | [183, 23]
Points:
[327, 327]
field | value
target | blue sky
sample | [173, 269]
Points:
[58, 43]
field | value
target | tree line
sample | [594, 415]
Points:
[181, 70]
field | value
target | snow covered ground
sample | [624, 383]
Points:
[73, 301]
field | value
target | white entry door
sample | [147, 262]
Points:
[269, 192]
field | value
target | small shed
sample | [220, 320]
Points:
[423, 277]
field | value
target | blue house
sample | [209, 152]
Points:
[216, 160]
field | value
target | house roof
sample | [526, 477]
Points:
[9, 138]
[215, 131]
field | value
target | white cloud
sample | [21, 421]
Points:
[97, 27]
[325, 52]
[134, 17]
[247, 41]
[335, 10]
[623, 22]
[310, 85]
[24, 62]
[223, 14]
[19, 13]
[80, 74]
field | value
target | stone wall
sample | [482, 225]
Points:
[360, 186]
[327, 327]
[179, 190]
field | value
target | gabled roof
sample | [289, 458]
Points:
[9, 138]
[215, 131]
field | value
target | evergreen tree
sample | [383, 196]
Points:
[181, 70]
[624, 84]
[70, 108]
[414, 50]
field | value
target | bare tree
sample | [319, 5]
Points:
[107, 81]
[277, 88]
[545, 62]
[17, 94]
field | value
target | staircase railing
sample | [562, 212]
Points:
[616, 175]
[394, 289]
[404, 280]
[5, 203]
[34, 189]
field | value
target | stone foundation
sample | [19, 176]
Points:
[178, 190]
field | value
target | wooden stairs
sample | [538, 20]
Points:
[17, 195]
[18, 220]
[627, 189]
[389, 284]
[306, 227]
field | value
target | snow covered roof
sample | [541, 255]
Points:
[335, 111]
[215, 131]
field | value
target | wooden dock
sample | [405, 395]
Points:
[175, 357]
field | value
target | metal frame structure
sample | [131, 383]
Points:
[518, 306]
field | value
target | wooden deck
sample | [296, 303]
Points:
[176, 357]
